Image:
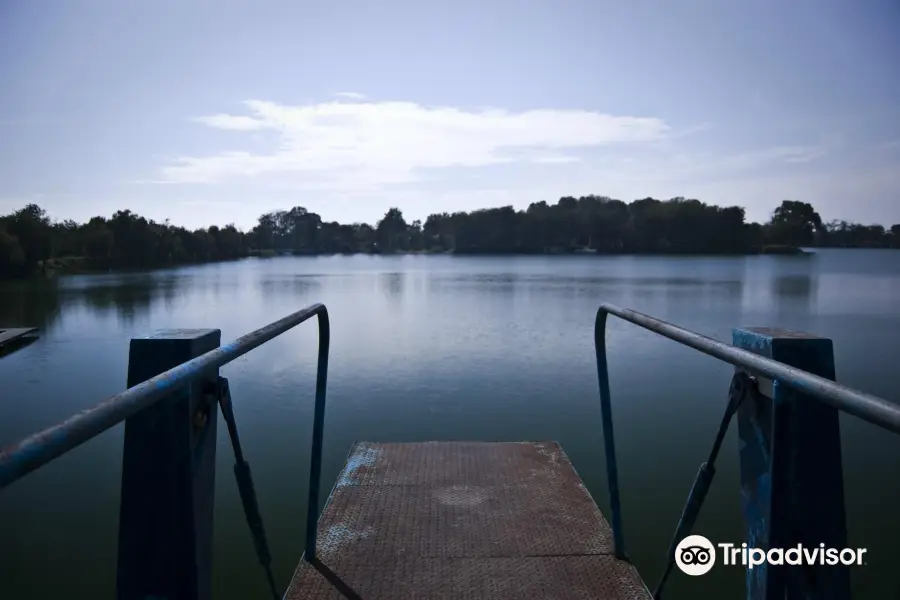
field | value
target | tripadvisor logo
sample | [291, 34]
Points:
[696, 555]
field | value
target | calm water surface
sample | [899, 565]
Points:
[440, 348]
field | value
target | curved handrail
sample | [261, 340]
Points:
[870, 408]
[36, 450]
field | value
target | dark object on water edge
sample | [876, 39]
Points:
[14, 339]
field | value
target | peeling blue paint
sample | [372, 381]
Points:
[339, 533]
[790, 463]
[364, 456]
[749, 340]
[755, 426]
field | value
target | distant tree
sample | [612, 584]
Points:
[794, 223]
[12, 257]
[365, 237]
[854, 235]
[31, 226]
[265, 231]
[304, 230]
[96, 239]
[416, 239]
[28, 238]
[393, 231]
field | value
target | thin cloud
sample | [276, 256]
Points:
[390, 142]
[788, 154]
[351, 95]
[762, 157]
[555, 159]
[677, 168]
[700, 128]
[236, 123]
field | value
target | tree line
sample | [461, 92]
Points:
[30, 241]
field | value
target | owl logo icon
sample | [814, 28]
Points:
[695, 555]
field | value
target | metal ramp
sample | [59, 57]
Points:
[463, 520]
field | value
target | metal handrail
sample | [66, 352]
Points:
[870, 408]
[36, 450]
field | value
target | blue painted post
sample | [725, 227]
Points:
[168, 476]
[792, 489]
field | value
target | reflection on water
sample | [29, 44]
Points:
[29, 304]
[300, 285]
[793, 286]
[793, 283]
[392, 284]
[634, 285]
[440, 347]
[130, 298]
[38, 303]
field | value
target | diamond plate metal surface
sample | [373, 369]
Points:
[463, 520]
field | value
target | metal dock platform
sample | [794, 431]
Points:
[12, 339]
[10, 335]
[463, 520]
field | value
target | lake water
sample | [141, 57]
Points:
[439, 348]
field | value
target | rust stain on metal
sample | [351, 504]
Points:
[463, 520]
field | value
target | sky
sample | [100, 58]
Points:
[216, 112]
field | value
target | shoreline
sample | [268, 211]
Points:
[70, 266]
